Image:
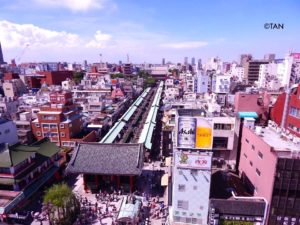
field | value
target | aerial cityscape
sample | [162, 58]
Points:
[149, 113]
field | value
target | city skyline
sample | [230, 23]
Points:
[73, 30]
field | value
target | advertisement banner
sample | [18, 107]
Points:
[192, 161]
[194, 132]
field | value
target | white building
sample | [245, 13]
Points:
[237, 71]
[288, 71]
[215, 63]
[267, 73]
[169, 83]
[191, 187]
[224, 141]
[171, 94]
[8, 132]
[202, 82]
[220, 83]
[190, 83]
[14, 88]
[8, 107]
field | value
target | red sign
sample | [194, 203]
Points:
[295, 55]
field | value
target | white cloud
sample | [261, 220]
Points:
[99, 40]
[76, 5]
[185, 45]
[14, 35]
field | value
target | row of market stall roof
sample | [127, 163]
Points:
[117, 128]
[147, 132]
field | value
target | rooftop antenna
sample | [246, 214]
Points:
[127, 58]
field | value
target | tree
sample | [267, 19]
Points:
[64, 204]
[78, 76]
[117, 75]
[150, 81]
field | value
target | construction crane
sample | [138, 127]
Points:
[22, 53]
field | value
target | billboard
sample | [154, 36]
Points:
[194, 132]
[187, 160]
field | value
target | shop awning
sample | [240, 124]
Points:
[248, 114]
[165, 180]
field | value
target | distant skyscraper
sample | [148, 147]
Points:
[186, 60]
[193, 62]
[199, 64]
[245, 58]
[163, 61]
[120, 62]
[1, 55]
[252, 70]
[269, 57]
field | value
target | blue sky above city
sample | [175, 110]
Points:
[74, 30]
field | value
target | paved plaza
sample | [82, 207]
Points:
[103, 208]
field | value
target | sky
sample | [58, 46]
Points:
[146, 30]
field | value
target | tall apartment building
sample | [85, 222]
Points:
[269, 57]
[268, 76]
[252, 70]
[60, 121]
[244, 59]
[270, 168]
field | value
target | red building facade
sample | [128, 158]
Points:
[48, 77]
[292, 118]
[59, 121]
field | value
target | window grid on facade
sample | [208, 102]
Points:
[181, 187]
[182, 204]
[260, 155]
[258, 172]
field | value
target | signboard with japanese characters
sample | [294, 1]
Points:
[192, 160]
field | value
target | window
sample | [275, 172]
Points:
[6, 131]
[295, 112]
[49, 117]
[221, 126]
[181, 187]
[54, 135]
[37, 125]
[62, 125]
[247, 140]
[64, 143]
[245, 156]
[258, 172]
[62, 134]
[260, 154]
[181, 204]
[195, 188]
[38, 133]
[220, 142]
[253, 147]
[45, 126]
[70, 125]
[53, 126]
[251, 163]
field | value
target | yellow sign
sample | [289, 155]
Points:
[203, 137]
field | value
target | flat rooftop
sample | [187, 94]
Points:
[277, 140]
